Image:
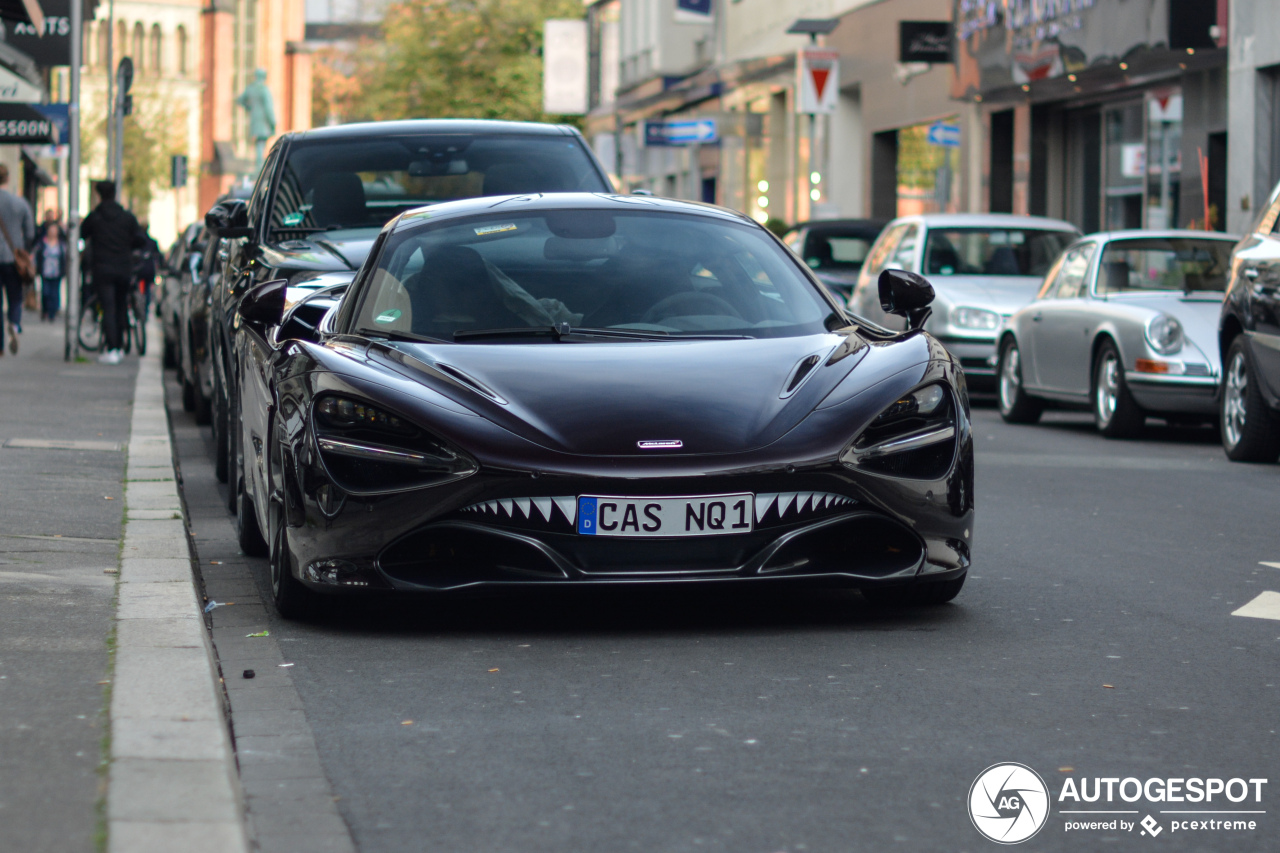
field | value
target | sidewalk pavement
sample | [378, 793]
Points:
[58, 533]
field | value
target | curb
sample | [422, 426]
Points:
[172, 784]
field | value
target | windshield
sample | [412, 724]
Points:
[993, 251]
[328, 185]
[1159, 264]
[833, 251]
[646, 273]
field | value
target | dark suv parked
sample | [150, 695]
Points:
[1249, 336]
[323, 195]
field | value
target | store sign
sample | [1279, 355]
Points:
[22, 125]
[924, 41]
[52, 45]
[1028, 20]
[819, 84]
[18, 90]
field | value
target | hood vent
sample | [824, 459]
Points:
[459, 376]
[798, 375]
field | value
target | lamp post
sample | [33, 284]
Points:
[71, 345]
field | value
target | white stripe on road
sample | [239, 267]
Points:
[1270, 565]
[1265, 606]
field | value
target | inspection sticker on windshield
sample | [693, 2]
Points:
[294, 218]
[704, 515]
[485, 230]
[388, 316]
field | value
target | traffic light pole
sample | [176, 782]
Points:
[121, 107]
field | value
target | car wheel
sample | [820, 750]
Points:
[1016, 405]
[203, 409]
[188, 395]
[221, 457]
[248, 533]
[170, 355]
[292, 600]
[1248, 432]
[1114, 411]
[915, 595]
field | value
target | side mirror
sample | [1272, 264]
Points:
[263, 305]
[229, 219]
[907, 295]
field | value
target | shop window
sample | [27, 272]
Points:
[884, 175]
[1125, 160]
[1164, 158]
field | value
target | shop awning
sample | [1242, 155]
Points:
[22, 125]
[23, 11]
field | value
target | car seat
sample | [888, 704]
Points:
[338, 199]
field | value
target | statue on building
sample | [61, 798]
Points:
[256, 100]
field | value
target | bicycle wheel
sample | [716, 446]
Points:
[89, 328]
[140, 322]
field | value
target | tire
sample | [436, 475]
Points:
[221, 454]
[1115, 413]
[1016, 405]
[927, 594]
[1249, 432]
[292, 600]
[188, 395]
[248, 533]
[89, 330]
[170, 355]
[203, 407]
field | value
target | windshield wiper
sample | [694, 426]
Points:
[313, 229]
[407, 337]
[561, 331]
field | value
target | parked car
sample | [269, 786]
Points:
[1125, 323]
[835, 249]
[323, 195]
[586, 389]
[168, 300]
[1249, 343]
[983, 268]
[195, 354]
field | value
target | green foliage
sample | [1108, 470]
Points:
[153, 133]
[448, 58]
[778, 226]
[918, 161]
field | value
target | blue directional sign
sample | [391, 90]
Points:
[946, 135]
[702, 131]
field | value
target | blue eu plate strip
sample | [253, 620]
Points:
[587, 516]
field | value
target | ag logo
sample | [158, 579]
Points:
[1008, 803]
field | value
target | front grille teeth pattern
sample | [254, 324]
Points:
[507, 508]
[799, 502]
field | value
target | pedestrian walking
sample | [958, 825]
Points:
[111, 233]
[148, 261]
[51, 266]
[54, 217]
[17, 227]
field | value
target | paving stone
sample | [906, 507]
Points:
[149, 738]
[125, 836]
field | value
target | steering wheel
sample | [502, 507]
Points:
[689, 302]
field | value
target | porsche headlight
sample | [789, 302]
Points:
[914, 437]
[1164, 334]
[368, 450]
[975, 319]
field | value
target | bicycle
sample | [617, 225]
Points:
[90, 330]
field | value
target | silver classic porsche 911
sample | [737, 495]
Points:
[1126, 323]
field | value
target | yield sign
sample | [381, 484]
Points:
[819, 83]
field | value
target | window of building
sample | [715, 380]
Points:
[155, 58]
[182, 51]
[139, 47]
[104, 40]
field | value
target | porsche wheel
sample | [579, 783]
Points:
[1248, 432]
[915, 595]
[1115, 412]
[1016, 405]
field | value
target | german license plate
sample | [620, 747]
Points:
[703, 515]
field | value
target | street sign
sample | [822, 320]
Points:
[702, 131]
[819, 83]
[945, 135]
[178, 171]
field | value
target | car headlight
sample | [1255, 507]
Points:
[1164, 334]
[975, 319]
[914, 437]
[368, 450]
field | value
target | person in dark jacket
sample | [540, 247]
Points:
[112, 233]
[148, 262]
[51, 266]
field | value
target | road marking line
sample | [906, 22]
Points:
[1270, 565]
[1265, 606]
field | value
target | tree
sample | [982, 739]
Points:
[153, 133]
[446, 58]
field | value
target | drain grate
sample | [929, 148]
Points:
[56, 444]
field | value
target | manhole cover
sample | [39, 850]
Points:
[56, 444]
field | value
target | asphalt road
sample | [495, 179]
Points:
[1093, 639]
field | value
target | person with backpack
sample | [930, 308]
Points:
[17, 227]
[111, 234]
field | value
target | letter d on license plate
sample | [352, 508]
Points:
[703, 515]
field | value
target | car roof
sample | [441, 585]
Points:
[1137, 233]
[490, 127]
[979, 220]
[841, 224]
[536, 202]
